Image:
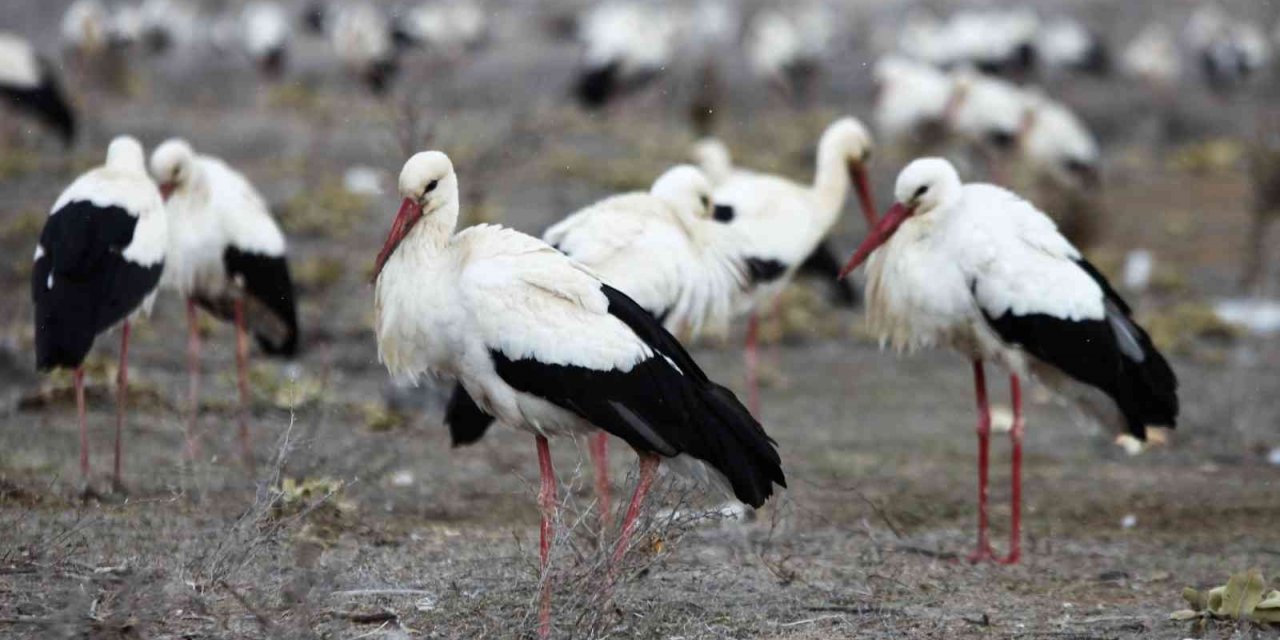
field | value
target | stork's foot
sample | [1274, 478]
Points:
[118, 488]
[984, 554]
[1013, 558]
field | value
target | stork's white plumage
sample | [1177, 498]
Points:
[787, 48]
[1153, 56]
[783, 223]
[988, 111]
[85, 27]
[267, 32]
[997, 41]
[361, 37]
[1065, 43]
[228, 257]
[662, 249]
[450, 29]
[913, 99]
[1056, 142]
[979, 269]
[625, 45]
[544, 346]
[27, 83]
[98, 263]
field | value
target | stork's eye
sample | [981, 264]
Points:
[706, 202]
[921, 191]
[431, 187]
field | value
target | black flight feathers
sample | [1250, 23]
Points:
[664, 405]
[83, 285]
[1113, 354]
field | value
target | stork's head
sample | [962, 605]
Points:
[848, 142]
[428, 185]
[685, 188]
[173, 164]
[923, 187]
[125, 154]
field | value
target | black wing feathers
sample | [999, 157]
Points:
[657, 407]
[466, 420]
[1141, 382]
[823, 264]
[83, 285]
[266, 279]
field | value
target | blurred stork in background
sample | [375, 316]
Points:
[786, 49]
[447, 29]
[361, 37]
[267, 32]
[625, 45]
[228, 257]
[1065, 44]
[28, 84]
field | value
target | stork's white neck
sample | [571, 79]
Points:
[831, 179]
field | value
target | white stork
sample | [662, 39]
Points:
[27, 83]
[361, 37]
[1064, 43]
[786, 48]
[1057, 143]
[227, 256]
[783, 222]
[625, 45]
[914, 100]
[97, 264]
[543, 345]
[85, 27]
[267, 33]
[662, 249]
[990, 114]
[1153, 57]
[449, 29]
[985, 272]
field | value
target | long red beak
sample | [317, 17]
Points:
[166, 190]
[893, 218]
[862, 184]
[409, 213]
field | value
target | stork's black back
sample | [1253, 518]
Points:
[46, 102]
[81, 282]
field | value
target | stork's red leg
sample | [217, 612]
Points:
[242, 381]
[983, 551]
[122, 397]
[547, 504]
[600, 458]
[648, 465]
[1015, 479]
[753, 364]
[193, 380]
[84, 428]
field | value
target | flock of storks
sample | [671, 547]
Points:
[580, 332]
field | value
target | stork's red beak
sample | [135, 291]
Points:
[880, 234]
[166, 190]
[410, 212]
[862, 184]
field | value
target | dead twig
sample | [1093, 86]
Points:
[265, 622]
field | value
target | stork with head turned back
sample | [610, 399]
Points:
[543, 345]
[983, 271]
[662, 249]
[228, 258]
[783, 222]
[98, 263]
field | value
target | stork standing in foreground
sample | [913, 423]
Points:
[783, 222]
[542, 345]
[662, 249]
[27, 82]
[976, 267]
[227, 256]
[98, 262]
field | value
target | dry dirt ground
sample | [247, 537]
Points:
[395, 534]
